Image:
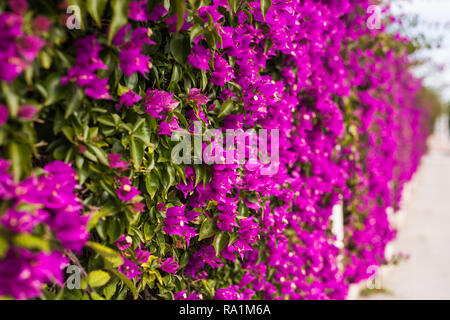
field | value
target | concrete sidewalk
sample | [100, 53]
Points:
[424, 232]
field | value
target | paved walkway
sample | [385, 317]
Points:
[424, 232]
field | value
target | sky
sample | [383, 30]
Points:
[433, 18]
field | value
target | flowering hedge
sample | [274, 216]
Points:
[93, 94]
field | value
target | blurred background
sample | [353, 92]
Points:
[423, 223]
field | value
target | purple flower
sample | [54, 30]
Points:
[182, 295]
[131, 59]
[199, 57]
[167, 128]
[27, 112]
[23, 273]
[169, 265]
[172, 23]
[157, 13]
[88, 62]
[222, 73]
[197, 97]
[124, 242]
[4, 113]
[128, 99]
[127, 192]
[137, 10]
[157, 101]
[20, 221]
[116, 163]
[19, 7]
[142, 255]
[129, 269]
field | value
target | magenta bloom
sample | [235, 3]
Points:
[129, 269]
[167, 128]
[199, 57]
[157, 101]
[27, 112]
[127, 192]
[128, 99]
[137, 10]
[195, 95]
[131, 59]
[19, 7]
[172, 23]
[84, 73]
[142, 255]
[169, 265]
[124, 242]
[222, 73]
[41, 24]
[116, 163]
[4, 113]
[182, 295]
[23, 273]
[158, 12]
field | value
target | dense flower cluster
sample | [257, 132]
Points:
[350, 130]
[47, 200]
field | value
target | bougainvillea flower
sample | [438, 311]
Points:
[172, 23]
[197, 97]
[127, 192]
[27, 111]
[167, 128]
[124, 242]
[157, 13]
[4, 113]
[137, 10]
[182, 295]
[169, 265]
[142, 255]
[41, 24]
[128, 99]
[18, 6]
[158, 101]
[222, 73]
[23, 273]
[116, 163]
[130, 269]
[199, 57]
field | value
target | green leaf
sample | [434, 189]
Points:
[126, 281]
[4, 246]
[73, 102]
[220, 241]
[137, 152]
[180, 8]
[180, 47]
[265, 5]
[199, 174]
[96, 9]
[12, 99]
[98, 278]
[119, 17]
[207, 229]
[100, 154]
[107, 253]
[20, 157]
[96, 296]
[107, 210]
[227, 107]
[29, 241]
[115, 229]
[52, 89]
[110, 289]
[151, 183]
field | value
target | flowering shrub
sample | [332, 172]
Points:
[90, 116]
